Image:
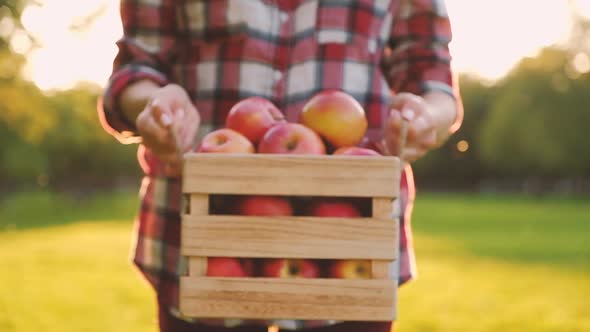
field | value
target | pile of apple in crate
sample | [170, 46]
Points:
[290, 220]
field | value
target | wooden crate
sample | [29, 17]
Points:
[205, 235]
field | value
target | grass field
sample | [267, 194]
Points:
[486, 264]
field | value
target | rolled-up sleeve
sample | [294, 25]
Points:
[146, 51]
[418, 59]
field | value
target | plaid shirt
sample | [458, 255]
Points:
[286, 51]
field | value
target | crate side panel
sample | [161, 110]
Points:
[289, 237]
[295, 175]
[264, 298]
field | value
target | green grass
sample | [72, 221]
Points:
[486, 264]
[499, 264]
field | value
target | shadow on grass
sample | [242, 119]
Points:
[550, 230]
[26, 210]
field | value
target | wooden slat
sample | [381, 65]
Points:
[197, 266]
[264, 298]
[199, 206]
[383, 209]
[295, 175]
[288, 237]
[380, 269]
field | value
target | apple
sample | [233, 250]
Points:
[334, 208]
[355, 151]
[229, 267]
[351, 269]
[264, 206]
[290, 268]
[252, 117]
[225, 140]
[335, 116]
[348, 269]
[291, 138]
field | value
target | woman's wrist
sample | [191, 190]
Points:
[135, 97]
[444, 112]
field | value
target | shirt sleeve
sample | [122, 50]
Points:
[146, 51]
[418, 58]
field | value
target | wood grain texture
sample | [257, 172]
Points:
[383, 209]
[197, 266]
[374, 238]
[268, 298]
[198, 206]
[294, 175]
[380, 269]
[288, 237]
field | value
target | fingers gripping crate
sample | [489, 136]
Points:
[206, 235]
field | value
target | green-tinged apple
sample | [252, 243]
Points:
[264, 206]
[252, 117]
[291, 138]
[355, 151]
[290, 268]
[351, 269]
[225, 140]
[334, 208]
[229, 267]
[335, 116]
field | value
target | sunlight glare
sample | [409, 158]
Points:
[583, 7]
[582, 63]
[6, 26]
[490, 37]
[20, 42]
[68, 57]
[462, 146]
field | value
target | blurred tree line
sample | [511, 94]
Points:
[524, 132]
[51, 139]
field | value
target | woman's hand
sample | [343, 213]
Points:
[429, 119]
[168, 125]
[421, 134]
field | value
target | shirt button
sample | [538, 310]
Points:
[277, 75]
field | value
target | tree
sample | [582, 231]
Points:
[456, 165]
[53, 139]
[538, 123]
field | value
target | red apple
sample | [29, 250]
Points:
[351, 269]
[335, 116]
[252, 117]
[264, 206]
[229, 267]
[225, 141]
[291, 138]
[355, 151]
[290, 268]
[334, 208]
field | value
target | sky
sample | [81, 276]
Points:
[489, 37]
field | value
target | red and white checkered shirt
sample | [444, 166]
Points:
[286, 51]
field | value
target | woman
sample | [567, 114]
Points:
[181, 65]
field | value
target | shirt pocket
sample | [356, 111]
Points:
[363, 25]
[227, 20]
